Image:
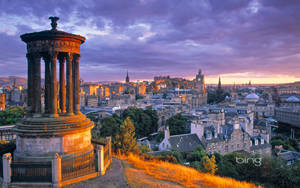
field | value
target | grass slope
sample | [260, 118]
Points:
[142, 173]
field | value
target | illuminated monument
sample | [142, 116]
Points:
[59, 127]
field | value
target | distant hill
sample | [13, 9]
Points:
[6, 81]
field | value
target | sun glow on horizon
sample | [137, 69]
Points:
[255, 78]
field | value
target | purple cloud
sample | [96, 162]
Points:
[162, 37]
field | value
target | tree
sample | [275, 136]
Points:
[11, 115]
[177, 124]
[286, 144]
[209, 164]
[125, 141]
[196, 155]
[110, 126]
[145, 121]
[226, 168]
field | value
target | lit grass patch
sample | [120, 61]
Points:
[183, 175]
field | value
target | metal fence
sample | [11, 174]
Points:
[29, 171]
[78, 165]
[84, 165]
[107, 154]
[106, 146]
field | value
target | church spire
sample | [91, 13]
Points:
[127, 77]
[219, 84]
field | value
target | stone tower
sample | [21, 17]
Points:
[60, 127]
[200, 82]
[199, 97]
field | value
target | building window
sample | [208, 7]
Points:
[238, 146]
[226, 148]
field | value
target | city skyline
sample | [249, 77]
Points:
[237, 40]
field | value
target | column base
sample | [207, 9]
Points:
[53, 115]
[36, 115]
[78, 113]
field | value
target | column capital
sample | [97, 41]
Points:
[77, 57]
[47, 56]
[62, 58]
[69, 57]
[53, 54]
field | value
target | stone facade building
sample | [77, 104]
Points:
[2, 101]
[222, 131]
[288, 115]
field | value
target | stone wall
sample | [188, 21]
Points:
[58, 144]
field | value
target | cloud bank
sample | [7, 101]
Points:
[171, 37]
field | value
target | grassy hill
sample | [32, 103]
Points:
[142, 173]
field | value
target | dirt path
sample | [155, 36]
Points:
[113, 178]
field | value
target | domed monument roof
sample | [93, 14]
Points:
[52, 40]
[252, 96]
[51, 34]
[292, 99]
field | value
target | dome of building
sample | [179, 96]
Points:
[252, 96]
[292, 99]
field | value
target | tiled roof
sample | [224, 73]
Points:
[184, 142]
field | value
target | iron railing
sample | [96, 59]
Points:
[78, 165]
[106, 143]
[29, 171]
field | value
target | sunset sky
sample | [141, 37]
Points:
[240, 40]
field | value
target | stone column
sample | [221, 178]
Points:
[47, 83]
[36, 85]
[102, 170]
[76, 84]
[69, 84]
[100, 159]
[6, 161]
[62, 84]
[29, 83]
[53, 86]
[56, 171]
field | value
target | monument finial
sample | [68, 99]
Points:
[53, 22]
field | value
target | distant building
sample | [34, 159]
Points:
[288, 115]
[92, 101]
[290, 157]
[217, 132]
[291, 101]
[2, 101]
[199, 97]
[141, 89]
[91, 88]
[253, 102]
[182, 143]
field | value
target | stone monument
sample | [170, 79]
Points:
[59, 126]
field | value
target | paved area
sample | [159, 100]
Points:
[114, 178]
